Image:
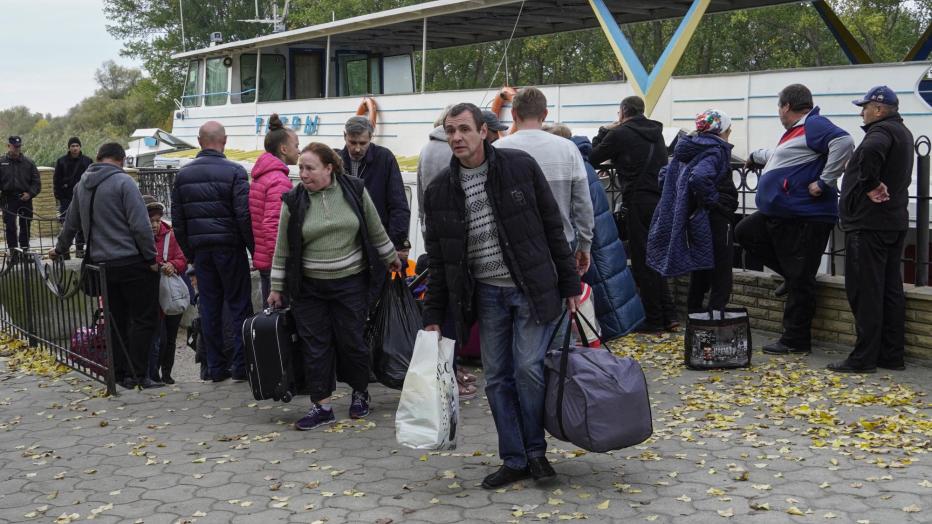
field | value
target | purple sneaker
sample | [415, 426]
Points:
[359, 407]
[316, 417]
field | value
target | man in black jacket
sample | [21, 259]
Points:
[19, 184]
[68, 171]
[210, 217]
[378, 168]
[875, 218]
[636, 148]
[497, 253]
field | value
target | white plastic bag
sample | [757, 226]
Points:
[428, 412]
[174, 297]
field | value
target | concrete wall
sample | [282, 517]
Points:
[833, 322]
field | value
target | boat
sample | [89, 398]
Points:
[316, 77]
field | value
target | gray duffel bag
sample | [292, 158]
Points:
[595, 400]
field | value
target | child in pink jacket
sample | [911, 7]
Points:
[269, 182]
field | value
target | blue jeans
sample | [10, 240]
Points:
[223, 277]
[513, 348]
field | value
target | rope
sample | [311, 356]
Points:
[505, 54]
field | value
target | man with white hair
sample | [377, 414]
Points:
[210, 216]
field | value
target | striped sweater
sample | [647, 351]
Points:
[486, 260]
[332, 248]
[813, 150]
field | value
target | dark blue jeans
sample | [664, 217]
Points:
[513, 348]
[223, 276]
[15, 210]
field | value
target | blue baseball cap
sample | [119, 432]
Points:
[879, 94]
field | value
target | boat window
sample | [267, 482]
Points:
[215, 92]
[375, 75]
[306, 81]
[353, 72]
[398, 75]
[192, 85]
[272, 83]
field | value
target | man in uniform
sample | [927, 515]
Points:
[19, 184]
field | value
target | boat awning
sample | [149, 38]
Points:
[453, 23]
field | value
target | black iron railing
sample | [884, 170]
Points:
[915, 259]
[46, 305]
[158, 183]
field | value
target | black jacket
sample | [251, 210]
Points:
[298, 202]
[68, 171]
[530, 230]
[885, 155]
[210, 205]
[628, 147]
[19, 176]
[379, 169]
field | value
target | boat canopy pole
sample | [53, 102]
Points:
[327, 70]
[649, 86]
[921, 50]
[849, 45]
[424, 59]
[259, 127]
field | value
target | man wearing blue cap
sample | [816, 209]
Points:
[875, 219]
[19, 184]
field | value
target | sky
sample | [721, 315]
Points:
[51, 49]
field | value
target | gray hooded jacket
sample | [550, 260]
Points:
[435, 157]
[119, 232]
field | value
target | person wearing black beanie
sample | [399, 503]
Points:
[68, 171]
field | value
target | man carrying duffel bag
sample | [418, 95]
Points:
[595, 400]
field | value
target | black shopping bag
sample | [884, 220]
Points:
[391, 332]
[718, 339]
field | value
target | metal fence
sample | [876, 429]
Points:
[158, 182]
[915, 259]
[45, 304]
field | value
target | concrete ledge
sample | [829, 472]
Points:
[833, 322]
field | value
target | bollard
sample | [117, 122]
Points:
[923, 147]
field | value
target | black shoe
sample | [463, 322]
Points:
[781, 290]
[222, 376]
[672, 326]
[128, 383]
[541, 469]
[895, 366]
[240, 377]
[168, 379]
[843, 366]
[650, 329]
[148, 383]
[504, 476]
[779, 348]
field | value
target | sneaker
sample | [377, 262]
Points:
[779, 348]
[781, 290]
[224, 375]
[316, 417]
[147, 383]
[504, 476]
[359, 407]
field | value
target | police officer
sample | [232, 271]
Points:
[19, 184]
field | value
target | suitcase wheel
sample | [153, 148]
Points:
[287, 396]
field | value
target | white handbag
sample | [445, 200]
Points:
[174, 297]
[428, 413]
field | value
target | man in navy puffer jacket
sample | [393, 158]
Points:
[210, 216]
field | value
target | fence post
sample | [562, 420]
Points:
[922, 147]
[104, 304]
[25, 259]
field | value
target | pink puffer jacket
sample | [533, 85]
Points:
[269, 182]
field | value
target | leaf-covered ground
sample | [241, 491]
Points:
[784, 441]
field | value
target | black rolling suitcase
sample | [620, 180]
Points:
[269, 341]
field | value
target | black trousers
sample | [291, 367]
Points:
[168, 335]
[716, 281]
[658, 303]
[330, 316]
[874, 284]
[133, 296]
[792, 247]
[15, 211]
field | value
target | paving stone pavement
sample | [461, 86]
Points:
[728, 446]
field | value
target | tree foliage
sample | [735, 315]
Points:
[124, 101]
